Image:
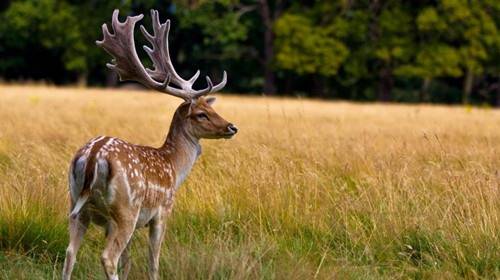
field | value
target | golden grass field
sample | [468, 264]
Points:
[307, 189]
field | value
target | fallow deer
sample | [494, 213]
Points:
[122, 186]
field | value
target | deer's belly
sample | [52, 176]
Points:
[154, 201]
[145, 215]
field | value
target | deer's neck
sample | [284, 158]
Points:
[183, 149]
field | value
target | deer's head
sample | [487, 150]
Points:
[201, 121]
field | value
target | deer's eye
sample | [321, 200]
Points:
[202, 117]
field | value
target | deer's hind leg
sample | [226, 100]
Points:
[77, 228]
[122, 219]
[118, 236]
[125, 262]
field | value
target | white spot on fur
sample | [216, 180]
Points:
[159, 188]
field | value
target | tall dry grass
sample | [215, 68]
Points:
[307, 189]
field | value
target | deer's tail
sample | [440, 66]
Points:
[85, 173]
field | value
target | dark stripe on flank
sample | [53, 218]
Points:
[91, 162]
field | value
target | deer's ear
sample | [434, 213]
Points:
[210, 100]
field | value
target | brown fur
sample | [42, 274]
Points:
[140, 183]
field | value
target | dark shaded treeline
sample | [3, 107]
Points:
[413, 51]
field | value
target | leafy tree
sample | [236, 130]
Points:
[270, 12]
[306, 48]
[380, 38]
[492, 67]
[394, 45]
[365, 49]
[44, 29]
[41, 36]
[212, 32]
[458, 39]
[91, 15]
[434, 57]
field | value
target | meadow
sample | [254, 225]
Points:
[307, 189]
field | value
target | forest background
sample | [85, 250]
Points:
[410, 51]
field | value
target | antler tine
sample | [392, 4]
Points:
[210, 84]
[222, 84]
[210, 87]
[123, 58]
[115, 22]
[195, 77]
[121, 46]
[146, 34]
[127, 64]
[166, 81]
[160, 54]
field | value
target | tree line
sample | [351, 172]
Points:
[393, 50]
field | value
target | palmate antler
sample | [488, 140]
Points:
[127, 64]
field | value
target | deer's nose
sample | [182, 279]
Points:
[232, 128]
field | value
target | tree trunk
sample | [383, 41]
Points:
[81, 80]
[373, 26]
[268, 20]
[468, 83]
[385, 84]
[289, 85]
[319, 86]
[424, 91]
[497, 103]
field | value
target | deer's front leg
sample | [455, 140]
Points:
[156, 234]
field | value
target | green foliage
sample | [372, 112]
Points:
[352, 49]
[307, 49]
[220, 26]
[48, 24]
[457, 36]
[395, 43]
[434, 61]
